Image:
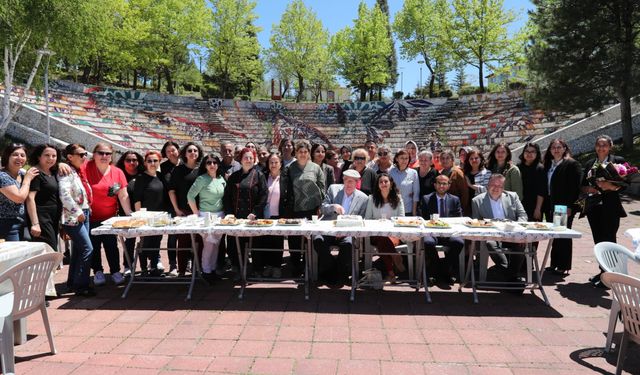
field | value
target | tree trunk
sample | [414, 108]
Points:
[625, 119]
[144, 81]
[300, 88]
[159, 82]
[363, 93]
[481, 73]
[167, 76]
[623, 89]
[135, 79]
[86, 73]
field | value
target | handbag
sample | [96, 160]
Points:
[372, 278]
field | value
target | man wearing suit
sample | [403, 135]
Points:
[499, 204]
[446, 205]
[341, 199]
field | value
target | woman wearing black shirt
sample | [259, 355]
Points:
[170, 151]
[534, 181]
[132, 164]
[43, 202]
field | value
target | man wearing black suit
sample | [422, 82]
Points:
[446, 205]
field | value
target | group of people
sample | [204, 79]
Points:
[71, 196]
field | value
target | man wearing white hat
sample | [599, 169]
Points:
[341, 199]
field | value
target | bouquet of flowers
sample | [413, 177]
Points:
[618, 174]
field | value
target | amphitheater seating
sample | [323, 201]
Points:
[142, 122]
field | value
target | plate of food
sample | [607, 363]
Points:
[436, 224]
[229, 220]
[407, 221]
[128, 223]
[260, 223]
[476, 223]
[291, 222]
[539, 226]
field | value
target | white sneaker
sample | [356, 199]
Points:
[117, 278]
[160, 267]
[173, 272]
[127, 272]
[99, 279]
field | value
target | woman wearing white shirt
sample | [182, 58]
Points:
[407, 181]
[270, 262]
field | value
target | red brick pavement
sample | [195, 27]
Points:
[274, 331]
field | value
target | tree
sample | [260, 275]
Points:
[27, 27]
[234, 52]
[585, 53]
[298, 45]
[477, 33]
[392, 60]
[461, 79]
[360, 53]
[420, 29]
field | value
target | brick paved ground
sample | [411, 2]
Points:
[275, 331]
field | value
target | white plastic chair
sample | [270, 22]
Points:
[29, 279]
[626, 290]
[612, 258]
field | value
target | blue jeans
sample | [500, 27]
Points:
[110, 243]
[81, 255]
[10, 229]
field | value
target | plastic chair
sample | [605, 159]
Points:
[626, 290]
[29, 279]
[612, 258]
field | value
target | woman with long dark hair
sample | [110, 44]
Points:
[43, 203]
[318, 155]
[500, 162]
[132, 164]
[474, 171]
[75, 196]
[287, 151]
[534, 187]
[407, 181]
[564, 177]
[14, 190]
[384, 203]
[171, 151]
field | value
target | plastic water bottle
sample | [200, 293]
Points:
[560, 216]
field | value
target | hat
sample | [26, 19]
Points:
[351, 173]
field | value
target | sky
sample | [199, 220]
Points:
[337, 14]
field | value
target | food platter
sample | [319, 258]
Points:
[540, 226]
[260, 223]
[412, 223]
[479, 224]
[290, 222]
[128, 223]
[436, 224]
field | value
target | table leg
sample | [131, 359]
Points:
[538, 272]
[131, 264]
[196, 265]
[355, 271]
[546, 257]
[422, 263]
[473, 276]
[307, 267]
[243, 268]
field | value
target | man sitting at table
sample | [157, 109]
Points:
[499, 204]
[341, 199]
[445, 205]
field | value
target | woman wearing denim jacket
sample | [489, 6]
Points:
[75, 196]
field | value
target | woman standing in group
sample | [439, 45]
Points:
[132, 164]
[385, 203]
[75, 196]
[345, 154]
[564, 177]
[333, 160]
[476, 174]
[245, 196]
[426, 173]
[287, 151]
[534, 181]
[302, 189]
[270, 262]
[43, 203]
[604, 217]
[108, 184]
[500, 162]
[183, 176]
[407, 181]
[367, 181]
[150, 193]
[318, 154]
[170, 151]
[383, 163]
[209, 188]
[14, 190]
[412, 148]
[463, 155]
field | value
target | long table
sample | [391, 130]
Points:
[370, 229]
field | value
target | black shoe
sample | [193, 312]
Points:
[595, 279]
[600, 284]
[431, 281]
[452, 280]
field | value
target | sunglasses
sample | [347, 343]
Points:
[82, 154]
[152, 161]
[359, 158]
[384, 153]
[192, 150]
[212, 162]
[104, 153]
[131, 161]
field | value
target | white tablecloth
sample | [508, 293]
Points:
[12, 253]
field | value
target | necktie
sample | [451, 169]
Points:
[442, 210]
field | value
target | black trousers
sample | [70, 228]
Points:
[604, 227]
[562, 248]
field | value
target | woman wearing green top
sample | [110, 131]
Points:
[500, 162]
[209, 187]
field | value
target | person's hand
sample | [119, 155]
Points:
[81, 218]
[35, 230]
[251, 217]
[338, 209]
[64, 169]
[568, 212]
[537, 215]
[31, 173]
[606, 185]
[179, 212]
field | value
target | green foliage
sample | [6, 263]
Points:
[398, 95]
[234, 65]
[360, 51]
[584, 53]
[299, 47]
[477, 33]
[392, 60]
[420, 28]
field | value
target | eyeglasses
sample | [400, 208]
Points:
[131, 161]
[82, 154]
[212, 162]
[104, 153]
[383, 153]
[359, 158]
[192, 150]
[529, 151]
[152, 161]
